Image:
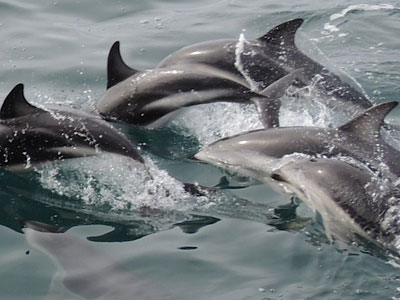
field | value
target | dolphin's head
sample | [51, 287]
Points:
[310, 179]
[339, 192]
[333, 179]
[257, 153]
[252, 154]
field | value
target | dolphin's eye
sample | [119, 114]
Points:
[277, 177]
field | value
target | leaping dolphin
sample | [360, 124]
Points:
[149, 97]
[351, 199]
[29, 134]
[267, 59]
[257, 153]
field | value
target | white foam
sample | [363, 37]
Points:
[239, 51]
[330, 28]
[300, 107]
[116, 182]
[116, 189]
[360, 7]
[211, 122]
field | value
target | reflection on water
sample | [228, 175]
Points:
[87, 272]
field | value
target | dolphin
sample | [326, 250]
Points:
[30, 135]
[256, 153]
[88, 272]
[148, 98]
[351, 199]
[265, 60]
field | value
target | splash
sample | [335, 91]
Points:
[112, 184]
[116, 183]
[239, 51]
[391, 221]
[342, 70]
[116, 190]
[300, 107]
[211, 122]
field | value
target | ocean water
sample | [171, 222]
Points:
[248, 243]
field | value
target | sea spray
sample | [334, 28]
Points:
[240, 66]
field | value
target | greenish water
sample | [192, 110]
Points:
[238, 244]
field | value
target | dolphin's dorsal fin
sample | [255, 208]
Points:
[117, 69]
[268, 106]
[15, 105]
[367, 125]
[283, 34]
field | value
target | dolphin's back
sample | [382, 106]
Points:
[218, 53]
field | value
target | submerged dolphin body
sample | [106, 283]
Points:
[147, 97]
[87, 272]
[30, 135]
[350, 198]
[267, 59]
[257, 153]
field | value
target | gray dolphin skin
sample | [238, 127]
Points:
[30, 135]
[145, 97]
[267, 59]
[86, 271]
[349, 198]
[221, 70]
[256, 153]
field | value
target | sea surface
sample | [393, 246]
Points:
[251, 242]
